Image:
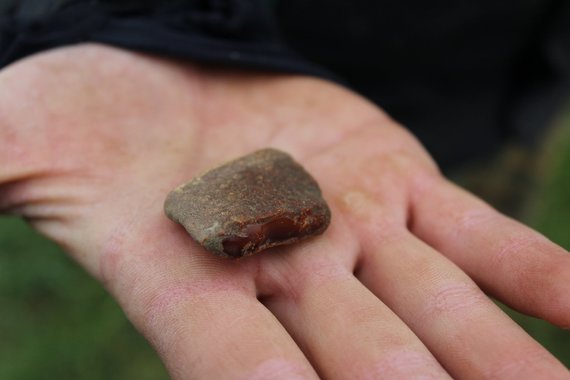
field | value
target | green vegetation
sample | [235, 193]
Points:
[549, 213]
[58, 323]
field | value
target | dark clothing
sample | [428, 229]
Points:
[234, 33]
[464, 75]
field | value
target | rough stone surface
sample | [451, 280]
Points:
[250, 204]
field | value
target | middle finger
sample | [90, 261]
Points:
[344, 329]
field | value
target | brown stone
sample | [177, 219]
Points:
[255, 202]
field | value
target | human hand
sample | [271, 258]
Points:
[93, 138]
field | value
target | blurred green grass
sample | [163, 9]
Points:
[58, 323]
[548, 211]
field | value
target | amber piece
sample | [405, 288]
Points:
[250, 204]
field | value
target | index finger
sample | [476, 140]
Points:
[509, 260]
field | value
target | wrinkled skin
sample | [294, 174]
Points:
[93, 138]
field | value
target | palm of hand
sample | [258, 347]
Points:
[107, 139]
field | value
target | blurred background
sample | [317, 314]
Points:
[58, 323]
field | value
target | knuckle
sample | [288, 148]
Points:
[474, 218]
[158, 311]
[514, 245]
[156, 307]
[453, 299]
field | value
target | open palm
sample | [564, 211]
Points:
[92, 139]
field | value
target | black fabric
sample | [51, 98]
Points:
[240, 33]
[463, 75]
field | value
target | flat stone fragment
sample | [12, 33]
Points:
[255, 202]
